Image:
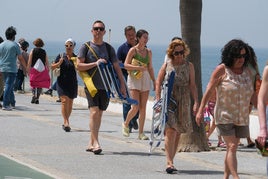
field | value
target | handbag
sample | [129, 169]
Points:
[39, 66]
[137, 74]
[263, 150]
[56, 71]
[39, 79]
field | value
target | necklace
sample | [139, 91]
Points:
[141, 50]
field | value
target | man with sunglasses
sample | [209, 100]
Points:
[87, 61]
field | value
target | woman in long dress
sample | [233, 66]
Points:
[184, 87]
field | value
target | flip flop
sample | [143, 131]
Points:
[66, 128]
[89, 149]
[97, 151]
[251, 145]
[171, 170]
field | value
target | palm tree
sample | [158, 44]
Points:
[190, 12]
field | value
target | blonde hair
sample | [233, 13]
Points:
[174, 44]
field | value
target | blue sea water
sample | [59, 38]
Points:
[210, 58]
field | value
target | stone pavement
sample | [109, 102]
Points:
[32, 134]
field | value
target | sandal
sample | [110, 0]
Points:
[221, 144]
[66, 128]
[240, 144]
[251, 145]
[89, 149]
[97, 151]
[209, 144]
[171, 170]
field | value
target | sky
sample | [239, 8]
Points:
[57, 20]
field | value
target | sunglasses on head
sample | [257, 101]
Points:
[176, 53]
[98, 28]
[241, 56]
[68, 45]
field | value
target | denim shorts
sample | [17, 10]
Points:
[233, 130]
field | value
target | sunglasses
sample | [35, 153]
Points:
[68, 46]
[98, 28]
[241, 56]
[176, 53]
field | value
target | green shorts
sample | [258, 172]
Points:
[233, 130]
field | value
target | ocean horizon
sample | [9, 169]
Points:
[210, 58]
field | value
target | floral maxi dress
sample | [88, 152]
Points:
[180, 120]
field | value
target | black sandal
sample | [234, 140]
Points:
[97, 151]
[89, 149]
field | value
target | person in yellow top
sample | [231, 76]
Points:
[139, 64]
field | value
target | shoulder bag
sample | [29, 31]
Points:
[87, 78]
[56, 71]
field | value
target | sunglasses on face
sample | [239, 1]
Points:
[68, 46]
[98, 28]
[241, 56]
[176, 53]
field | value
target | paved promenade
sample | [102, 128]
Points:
[32, 135]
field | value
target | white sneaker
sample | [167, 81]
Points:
[125, 130]
[142, 136]
[6, 108]
[20, 92]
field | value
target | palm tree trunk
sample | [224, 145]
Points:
[191, 12]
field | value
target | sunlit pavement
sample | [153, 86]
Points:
[32, 135]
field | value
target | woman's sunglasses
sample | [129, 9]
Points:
[68, 46]
[241, 56]
[176, 53]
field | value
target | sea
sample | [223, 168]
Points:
[210, 58]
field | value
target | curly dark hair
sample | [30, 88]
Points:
[253, 58]
[232, 50]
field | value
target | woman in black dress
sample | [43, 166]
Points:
[67, 81]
